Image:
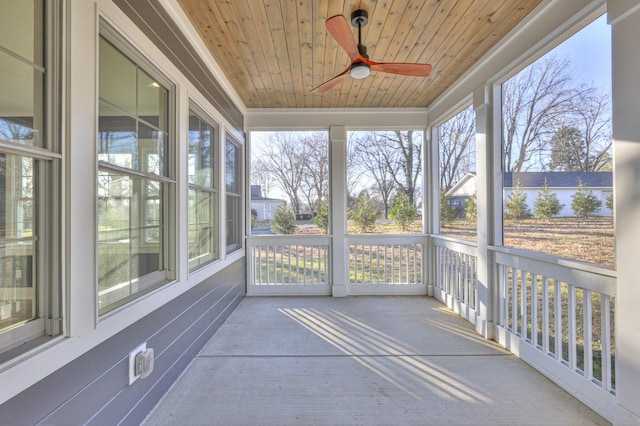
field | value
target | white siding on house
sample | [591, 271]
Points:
[467, 187]
[266, 208]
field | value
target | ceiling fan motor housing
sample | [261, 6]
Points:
[359, 18]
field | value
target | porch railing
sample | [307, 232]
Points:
[289, 265]
[386, 264]
[456, 275]
[558, 315]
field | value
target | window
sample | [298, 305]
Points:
[384, 181]
[203, 193]
[29, 175]
[289, 182]
[135, 186]
[457, 177]
[234, 195]
[557, 151]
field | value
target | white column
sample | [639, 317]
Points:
[338, 208]
[486, 170]
[624, 17]
[431, 204]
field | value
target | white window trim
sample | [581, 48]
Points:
[167, 181]
[45, 289]
[239, 246]
[203, 260]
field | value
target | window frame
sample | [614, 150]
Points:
[48, 315]
[236, 223]
[213, 190]
[166, 180]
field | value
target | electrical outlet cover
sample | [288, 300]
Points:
[132, 362]
[145, 361]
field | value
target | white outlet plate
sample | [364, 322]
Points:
[132, 362]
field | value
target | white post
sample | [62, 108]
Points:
[486, 169]
[431, 205]
[624, 18]
[338, 208]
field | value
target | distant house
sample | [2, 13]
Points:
[465, 187]
[264, 206]
[563, 184]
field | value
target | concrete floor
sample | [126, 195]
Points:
[360, 361]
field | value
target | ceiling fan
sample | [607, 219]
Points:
[361, 66]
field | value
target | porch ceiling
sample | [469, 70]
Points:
[275, 51]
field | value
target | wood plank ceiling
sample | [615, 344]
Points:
[275, 51]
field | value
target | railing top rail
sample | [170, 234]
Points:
[591, 277]
[466, 247]
[282, 240]
[547, 258]
[386, 238]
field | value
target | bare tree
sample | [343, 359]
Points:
[457, 147]
[405, 162]
[533, 101]
[354, 173]
[295, 162]
[390, 160]
[316, 177]
[593, 116]
[373, 156]
[260, 176]
[582, 141]
[15, 131]
[283, 157]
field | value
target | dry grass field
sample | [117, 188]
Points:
[589, 240]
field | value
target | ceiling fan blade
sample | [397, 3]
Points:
[330, 83]
[416, 70]
[339, 28]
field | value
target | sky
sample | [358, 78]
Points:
[589, 51]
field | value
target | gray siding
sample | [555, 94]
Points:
[94, 388]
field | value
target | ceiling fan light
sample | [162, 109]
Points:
[360, 70]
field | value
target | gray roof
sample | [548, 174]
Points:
[559, 179]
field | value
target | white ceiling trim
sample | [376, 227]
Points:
[322, 118]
